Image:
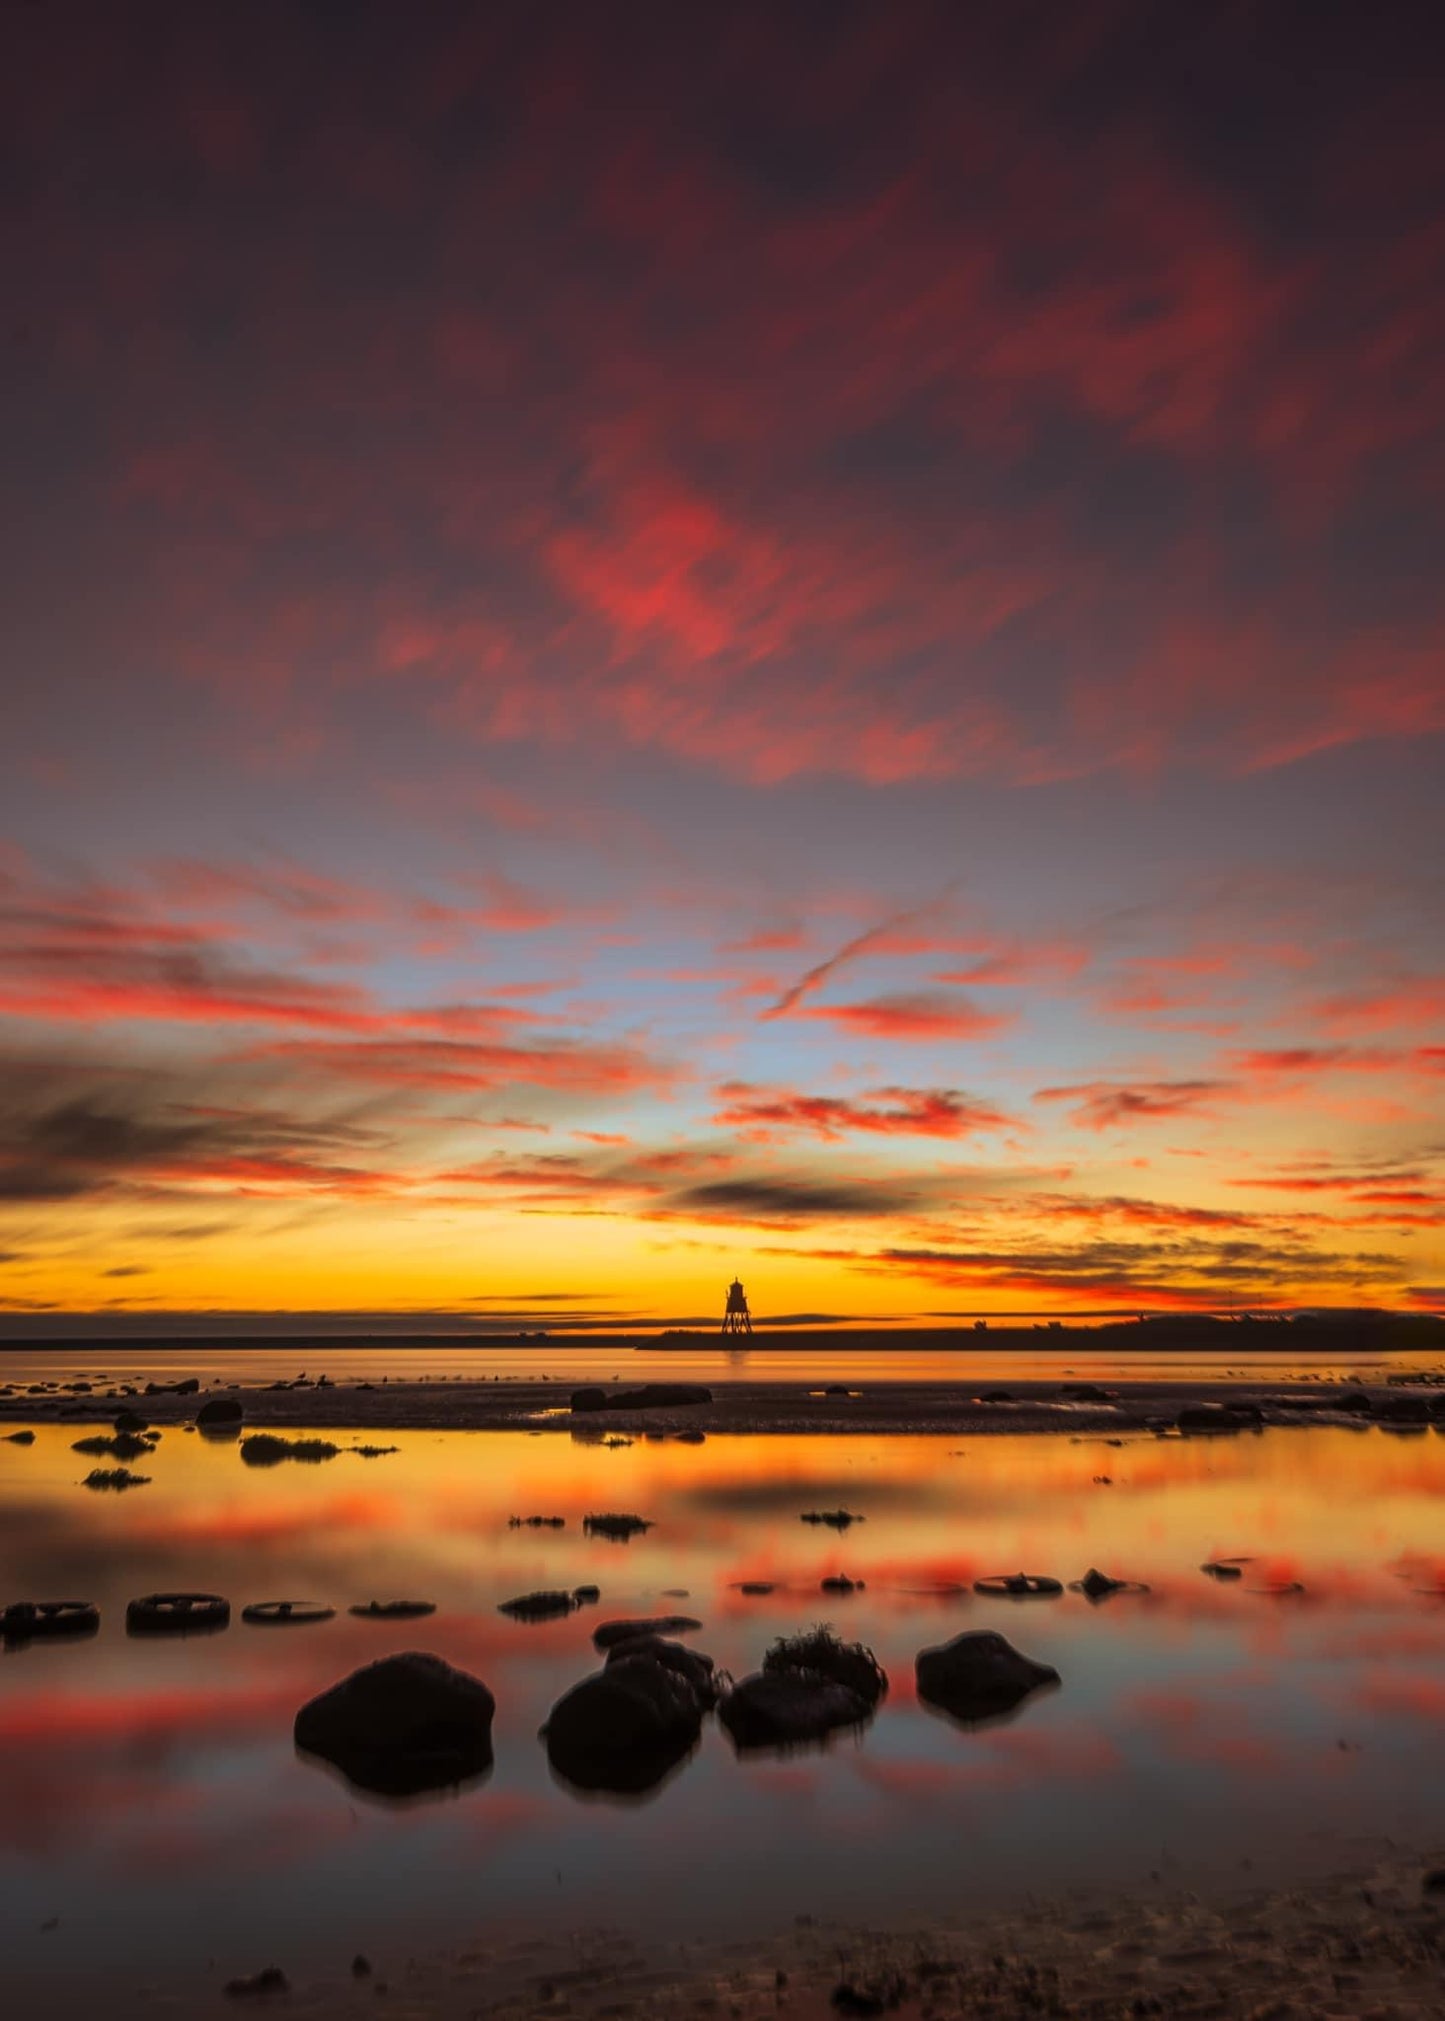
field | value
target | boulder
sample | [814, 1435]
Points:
[608, 1634]
[785, 1708]
[220, 1410]
[651, 1396]
[19, 1438]
[403, 1725]
[689, 1664]
[130, 1421]
[978, 1675]
[1352, 1400]
[625, 1727]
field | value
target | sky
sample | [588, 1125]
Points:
[644, 642]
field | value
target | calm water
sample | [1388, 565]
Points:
[151, 1798]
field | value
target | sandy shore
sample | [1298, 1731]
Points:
[1361, 1946]
[779, 1405]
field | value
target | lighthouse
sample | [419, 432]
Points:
[737, 1318]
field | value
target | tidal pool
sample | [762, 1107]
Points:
[151, 1799]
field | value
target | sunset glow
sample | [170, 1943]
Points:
[638, 649]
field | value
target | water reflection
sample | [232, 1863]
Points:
[153, 1785]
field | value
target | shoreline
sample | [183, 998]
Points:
[788, 1407]
[1365, 1944]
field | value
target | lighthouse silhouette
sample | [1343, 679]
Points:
[737, 1318]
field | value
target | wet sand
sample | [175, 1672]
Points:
[785, 1406]
[1365, 1945]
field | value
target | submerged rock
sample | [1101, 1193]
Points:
[120, 1445]
[402, 1725]
[271, 1980]
[835, 1519]
[979, 1675]
[115, 1479]
[19, 1438]
[1097, 1585]
[538, 1606]
[607, 1634]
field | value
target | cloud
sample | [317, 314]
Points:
[763, 1113]
[923, 1015]
[1114, 1105]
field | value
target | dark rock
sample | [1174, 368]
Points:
[689, 1664]
[690, 1438]
[43, 1620]
[177, 1614]
[835, 1519]
[651, 1396]
[755, 1588]
[585, 1596]
[220, 1410]
[272, 1980]
[607, 1634]
[1218, 1568]
[1401, 1410]
[1434, 1881]
[837, 1389]
[130, 1421]
[840, 1583]
[403, 1725]
[784, 1708]
[1219, 1417]
[996, 1396]
[538, 1606]
[20, 1438]
[287, 1613]
[393, 1610]
[978, 1675]
[536, 1522]
[1097, 1585]
[1088, 1392]
[189, 1387]
[360, 1967]
[821, 1652]
[1019, 1586]
[625, 1727]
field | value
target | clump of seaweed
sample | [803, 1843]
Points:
[619, 1528]
[820, 1650]
[115, 1478]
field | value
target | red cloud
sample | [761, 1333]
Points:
[1113, 1105]
[922, 1015]
[920, 1112]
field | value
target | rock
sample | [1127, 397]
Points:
[262, 1449]
[19, 1438]
[1401, 1410]
[1088, 1392]
[1219, 1417]
[538, 1606]
[586, 1595]
[625, 1727]
[840, 1583]
[835, 1519]
[997, 1396]
[402, 1725]
[287, 1613]
[690, 1664]
[821, 1652]
[607, 1634]
[130, 1421]
[393, 1610]
[978, 1675]
[690, 1438]
[272, 1980]
[784, 1708]
[1019, 1586]
[1096, 1585]
[619, 1528]
[1353, 1400]
[177, 1614]
[34, 1620]
[1434, 1881]
[360, 1967]
[536, 1522]
[651, 1396]
[1219, 1568]
[189, 1387]
[220, 1410]
[755, 1588]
